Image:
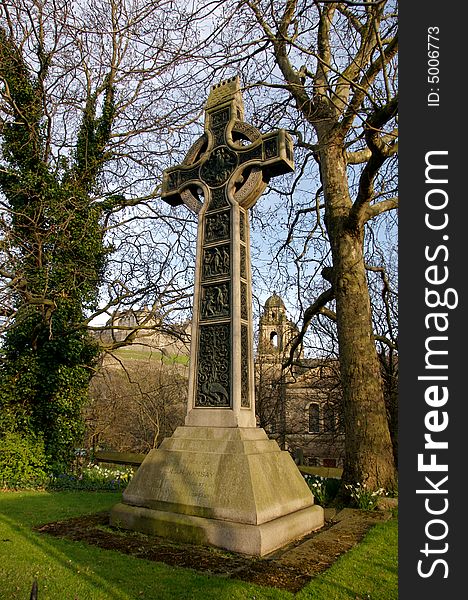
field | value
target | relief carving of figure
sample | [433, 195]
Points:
[216, 261]
[217, 227]
[219, 166]
[215, 301]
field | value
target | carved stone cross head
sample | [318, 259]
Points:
[230, 154]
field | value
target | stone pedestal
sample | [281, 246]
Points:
[229, 487]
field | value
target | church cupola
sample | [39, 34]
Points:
[275, 330]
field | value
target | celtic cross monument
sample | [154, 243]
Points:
[219, 480]
[229, 166]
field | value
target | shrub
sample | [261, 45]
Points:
[22, 461]
[324, 489]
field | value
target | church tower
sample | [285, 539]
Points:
[275, 330]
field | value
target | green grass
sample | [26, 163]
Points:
[368, 572]
[69, 570]
[129, 353]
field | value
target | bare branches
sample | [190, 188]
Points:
[352, 3]
[123, 65]
[365, 82]
[316, 308]
[385, 293]
[380, 207]
[380, 151]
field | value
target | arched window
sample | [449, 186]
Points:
[314, 418]
[274, 339]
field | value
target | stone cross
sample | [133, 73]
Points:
[219, 480]
[223, 175]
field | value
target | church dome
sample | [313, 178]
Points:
[274, 301]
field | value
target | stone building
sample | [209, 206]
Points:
[300, 407]
[143, 330]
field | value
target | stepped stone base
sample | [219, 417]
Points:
[228, 487]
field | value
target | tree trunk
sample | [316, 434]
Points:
[368, 447]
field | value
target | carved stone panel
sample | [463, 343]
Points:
[245, 401]
[215, 301]
[213, 374]
[216, 262]
[271, 148]
[218, 199]
[220, 118]
[218, 122]
[188, 175]
[218, 168]
[242, 225]
[172, 179]
[243, 267]
[255, 153]
[217, 227]
[244, 311]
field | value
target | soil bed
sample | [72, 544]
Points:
[289, 568]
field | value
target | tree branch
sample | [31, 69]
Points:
[358, 214]
[379, 208]
[309, 314]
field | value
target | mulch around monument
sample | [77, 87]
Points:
[289, 568]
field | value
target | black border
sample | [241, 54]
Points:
[429, 128]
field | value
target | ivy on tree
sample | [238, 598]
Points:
[58, 255]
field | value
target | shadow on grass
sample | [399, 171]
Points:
[67, 570]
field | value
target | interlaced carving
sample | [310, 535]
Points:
[213, 378]
[218, 199]
[245, 400]
[244, 310]
[195, 152]
[243, 266]
[242, 225]
[220, 118]
[271, 148]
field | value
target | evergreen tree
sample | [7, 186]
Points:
[59, 256]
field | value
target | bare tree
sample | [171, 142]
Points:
[135, 403]
[94, 100]
[81, 60]
[327, 72]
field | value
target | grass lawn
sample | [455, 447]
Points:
[145, 354]
[69, 570]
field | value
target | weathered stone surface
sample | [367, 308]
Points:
[222, 176]
[233, 488]
[256, 540]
